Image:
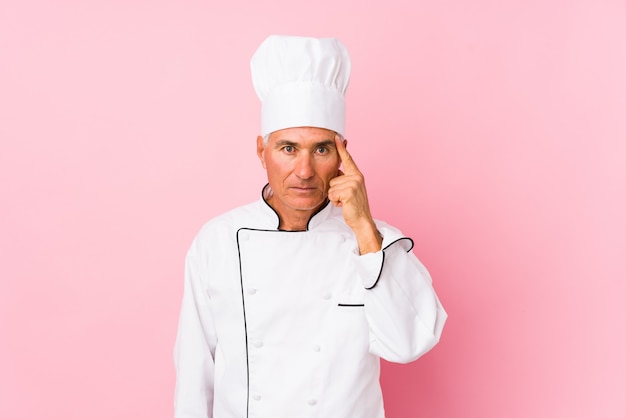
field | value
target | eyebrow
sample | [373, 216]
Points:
[284, 142]
[327, 143]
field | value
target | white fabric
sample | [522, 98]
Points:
[280, 325]
[301, 82]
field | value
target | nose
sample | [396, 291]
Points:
[304, 166]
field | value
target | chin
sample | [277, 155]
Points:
[306, 204]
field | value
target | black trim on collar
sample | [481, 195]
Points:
[383, 262]
[321, 208]
[268, 205]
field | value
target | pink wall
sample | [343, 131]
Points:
[494, 133]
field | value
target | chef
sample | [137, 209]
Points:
[289, 302]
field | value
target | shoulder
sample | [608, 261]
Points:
[226, 225]
[246, 214]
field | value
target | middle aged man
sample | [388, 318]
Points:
[290, 301]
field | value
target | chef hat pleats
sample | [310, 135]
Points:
[301, 82]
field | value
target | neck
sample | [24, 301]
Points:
[299, 224]
[292, 219]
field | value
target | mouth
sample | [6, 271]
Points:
[303, 189]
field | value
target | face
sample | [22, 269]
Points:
[300, 163]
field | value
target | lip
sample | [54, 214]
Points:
[303, 189]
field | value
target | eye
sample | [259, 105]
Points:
[288, 149]
[322, 150]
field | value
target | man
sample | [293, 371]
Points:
[290, 302]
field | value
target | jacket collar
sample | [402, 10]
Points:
[316, 219]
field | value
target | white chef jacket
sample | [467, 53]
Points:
[284, 324]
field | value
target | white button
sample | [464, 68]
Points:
[312, 402]
[258, 344]
[256, 397]
[251, 291]
[326, 296]
[316, 348]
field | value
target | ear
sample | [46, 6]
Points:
[260, 149]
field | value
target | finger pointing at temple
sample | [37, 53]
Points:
[349, 166]
[347, 191]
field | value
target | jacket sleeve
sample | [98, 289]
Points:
[403, 312]
[195, 342]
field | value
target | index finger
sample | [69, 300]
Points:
[349, 166]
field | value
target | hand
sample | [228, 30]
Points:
[347, 191]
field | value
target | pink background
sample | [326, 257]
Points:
[493, 133]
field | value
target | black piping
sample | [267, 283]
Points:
[380, 272]
[268, 205]
[245, 325]
[243, 301]
[321, 208]
[401, 239]
[383, 262]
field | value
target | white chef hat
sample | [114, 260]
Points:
[301, 82]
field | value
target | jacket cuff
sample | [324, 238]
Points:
[370, 267]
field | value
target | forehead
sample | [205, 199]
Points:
[302, 134]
